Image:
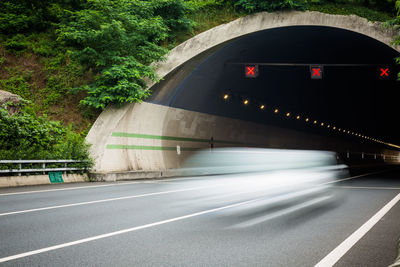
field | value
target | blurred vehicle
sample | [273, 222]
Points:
[272, 182]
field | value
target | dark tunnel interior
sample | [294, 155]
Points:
[351, 95]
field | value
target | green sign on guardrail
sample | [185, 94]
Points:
[56, 177]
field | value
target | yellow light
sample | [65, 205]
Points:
[246, 102]
[307, 119]
[322, 124]
[328, 126]
[298, 117]
[334, 128]
[276, 110]
[288, 114]
[226, 96]
[262, 106]
[315, 122]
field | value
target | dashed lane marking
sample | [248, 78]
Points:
[85, 240]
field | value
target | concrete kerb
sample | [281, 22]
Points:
[13, 181]
[131, 175]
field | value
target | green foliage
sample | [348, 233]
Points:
[16, 84]
[19, 16]
[396, 23]
[26, 136]
[119, 84]
[118, 40]
[350, 8]
[17, 43]
[272, 5]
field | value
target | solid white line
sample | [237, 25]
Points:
[347, 244]
[122, 198]
[368, 187]
[102, 200]
[358, 176]
[84, 240]
[149, 181]
[70, 188]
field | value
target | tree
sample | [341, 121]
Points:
[118, 40]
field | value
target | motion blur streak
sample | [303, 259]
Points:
[278, 182]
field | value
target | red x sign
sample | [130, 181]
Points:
[384, 72]
[316, 72]
[251, 71]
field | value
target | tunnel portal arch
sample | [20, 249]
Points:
[263, 21]
[152, 138]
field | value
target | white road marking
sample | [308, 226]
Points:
[358, 176]
[368, 187]
[85, 240]
[70, 188]
[347, 244]
[102, 200]
[149, 181]
[122, 198]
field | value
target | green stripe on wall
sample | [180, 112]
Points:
[171, 138]
[111, 146]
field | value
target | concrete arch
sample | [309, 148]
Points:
[264, 20]
[150, 139]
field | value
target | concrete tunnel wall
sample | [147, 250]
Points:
[144, 137]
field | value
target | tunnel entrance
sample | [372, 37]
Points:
[356, 93]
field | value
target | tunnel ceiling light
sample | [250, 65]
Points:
[315, 122]
[226, 96]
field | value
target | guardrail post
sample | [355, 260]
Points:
[44, 167]
[362, 155]
[20, 168]
[348, 154]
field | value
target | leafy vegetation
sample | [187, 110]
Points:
[71, 58]
[118, 40]
[26, 136]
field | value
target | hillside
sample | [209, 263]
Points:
[70, 59]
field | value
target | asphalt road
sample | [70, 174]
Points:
[181, 222]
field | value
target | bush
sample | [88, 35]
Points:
[272, 5]
[118, 40]
[26, 136]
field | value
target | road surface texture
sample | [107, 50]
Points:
[179, 222]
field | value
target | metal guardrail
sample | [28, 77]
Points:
[376, 156]
[43, 168]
